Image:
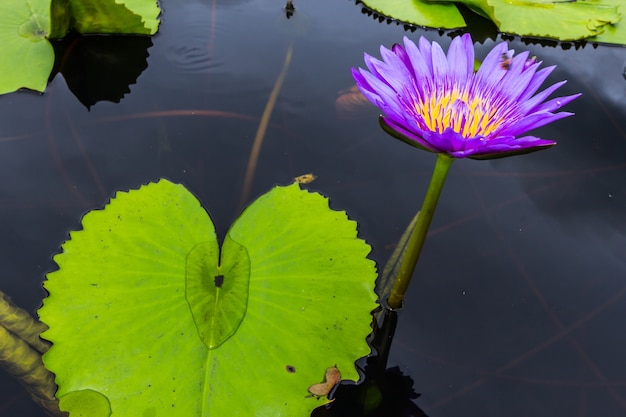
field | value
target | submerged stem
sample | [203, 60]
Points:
[20, 354]
[20, 323]
[19, 359]
[416, 242]
[260, 133]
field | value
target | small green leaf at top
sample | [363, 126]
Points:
[26, 56]
[148, 313]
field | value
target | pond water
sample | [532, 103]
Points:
[518, 303]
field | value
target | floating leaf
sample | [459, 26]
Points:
[613, 33]
[115, 16]
[149, 11]
[445, 16]
[558, 19]
[26, 57]
[60, 18]
[332, 376]
[144, 317]
[86, 403]
[565, 20]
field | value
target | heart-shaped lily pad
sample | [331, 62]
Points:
[148, 318]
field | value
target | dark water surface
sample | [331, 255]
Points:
[519, 301]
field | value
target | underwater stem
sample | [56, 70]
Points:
[416, 242]
[260, 133]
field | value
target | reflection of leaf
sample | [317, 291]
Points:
[143, 314]
[99, 68]
[26, 57]
[445, 16]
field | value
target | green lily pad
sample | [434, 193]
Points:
[149, 11]
[27, 57]
[138, 17]
[613, 33]
[86, 403]
[558, 19]
[564, 20]
[147, 316]
[60, 18]
[417, 12]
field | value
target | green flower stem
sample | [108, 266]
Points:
[416, 242]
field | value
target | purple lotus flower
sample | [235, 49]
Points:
[438, 103]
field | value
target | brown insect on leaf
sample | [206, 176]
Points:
[331, 378]
[305, 179]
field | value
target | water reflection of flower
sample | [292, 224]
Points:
[438, 103]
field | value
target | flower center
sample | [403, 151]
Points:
[466, 113]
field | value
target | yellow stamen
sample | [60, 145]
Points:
[470, 115]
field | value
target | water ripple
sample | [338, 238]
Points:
[192, 49]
